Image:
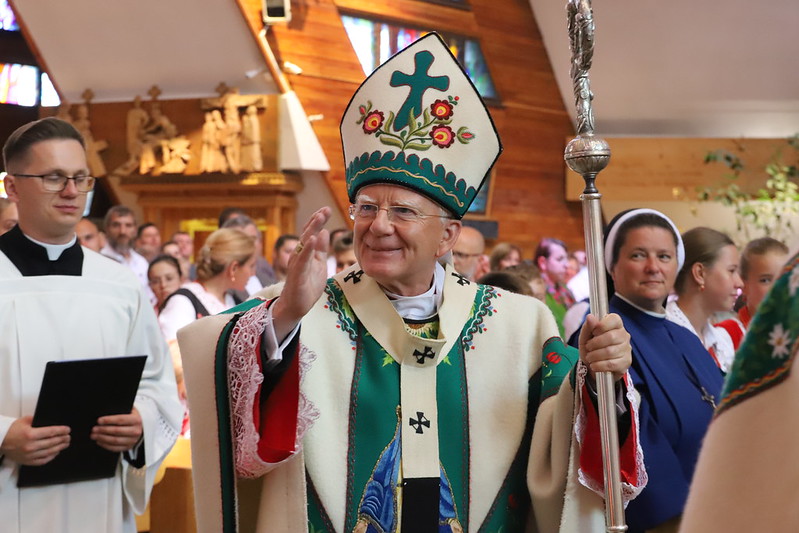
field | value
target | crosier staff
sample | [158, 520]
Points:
[587, 155]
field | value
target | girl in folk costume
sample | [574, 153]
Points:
[708, 283]
[761, 263]
[399, 396]
[677, 380]
[747, 472]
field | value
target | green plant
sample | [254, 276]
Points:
[771, 209]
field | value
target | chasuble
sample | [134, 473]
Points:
[481, 399]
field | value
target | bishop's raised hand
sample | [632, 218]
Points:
[307, 275]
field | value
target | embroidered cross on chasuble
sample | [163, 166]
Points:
[408, 463]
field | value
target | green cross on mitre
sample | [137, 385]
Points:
[419, 82]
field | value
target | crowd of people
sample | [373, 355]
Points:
[689, 294]
[396, 376]
[686, 300]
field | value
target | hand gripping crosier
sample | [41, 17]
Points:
[588, 155]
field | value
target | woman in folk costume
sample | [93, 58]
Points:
[707, 283]
[671, 369]
[398, 396]
[747, 474]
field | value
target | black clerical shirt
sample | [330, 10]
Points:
[32, 260]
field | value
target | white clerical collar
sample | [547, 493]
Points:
[650, 313]
[54, 251]
[422, 306]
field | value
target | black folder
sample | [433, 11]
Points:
[75, 394]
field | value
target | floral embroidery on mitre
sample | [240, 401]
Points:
[780, 340]
[432, 130]
[372, 121]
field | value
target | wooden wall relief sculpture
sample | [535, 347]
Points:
[81, 121]
[232, 132]
[182, 160]
[153, 143]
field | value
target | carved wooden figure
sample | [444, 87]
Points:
[251, 160]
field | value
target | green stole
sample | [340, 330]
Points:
[374, 410]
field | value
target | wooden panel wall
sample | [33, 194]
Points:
[528, 198]
[671, 169]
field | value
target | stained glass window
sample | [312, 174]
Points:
[375, 41]
[21, 85]
[8, 21]
[18, 84]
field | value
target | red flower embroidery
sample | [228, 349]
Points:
[443, 136]
[553, 357]
[373, 121]
[441, 109]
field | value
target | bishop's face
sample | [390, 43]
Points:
[46, 216]
[401, 254]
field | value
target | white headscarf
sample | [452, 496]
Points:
[624, 217]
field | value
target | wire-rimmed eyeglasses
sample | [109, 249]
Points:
[57, 182]
[396, 213]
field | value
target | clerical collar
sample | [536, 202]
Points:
[422, 306]
[650, 313]
[33, 258]
[54, 251]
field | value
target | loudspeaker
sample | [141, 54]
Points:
[277, 11]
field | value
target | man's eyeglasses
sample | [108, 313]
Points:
[57, 182]
[396, 213]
